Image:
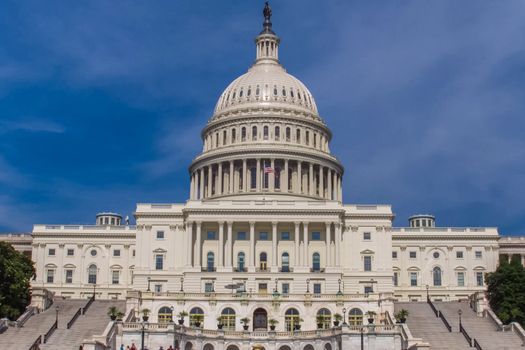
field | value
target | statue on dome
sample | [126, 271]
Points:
[267, 12]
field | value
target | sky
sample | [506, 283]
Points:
[102, 102]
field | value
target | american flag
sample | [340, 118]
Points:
[268, 169]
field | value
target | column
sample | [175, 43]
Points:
[271, 176]
[328, 240]
[340, 187]
[229, 245]
[337, 244]
[258, 172]
[299, 177]
[201, 178]
[321, 181]
[305, 240]
[221, 244]
[210, 177]
[284, 177]
[274, 244]
[252, 246]
[244, 176]
[192, 185]
[297, 260]
[189, 241]
[231, 176]
[218, 189]
[329, 178]
[197, 262]
[311, 180]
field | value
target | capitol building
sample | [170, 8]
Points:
[264, 254]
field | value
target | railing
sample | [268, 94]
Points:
[432, 307]
[50, 331]
[445, 322]
[316, 270]
[88, 304]
[476, 345]
[30, 311]
[465, 334]
[36, 343]
[74, 318]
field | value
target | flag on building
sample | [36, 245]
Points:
[268, 169]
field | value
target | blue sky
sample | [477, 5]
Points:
[102, 102]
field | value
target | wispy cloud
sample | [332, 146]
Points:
[31, 125]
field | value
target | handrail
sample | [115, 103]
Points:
[74, 318]
[35, 344]
[442, 317]
[432, 307]
[88, 304]
[476, 345]
[30, 311]
[50, 331]
[465, 334]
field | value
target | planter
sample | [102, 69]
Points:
[113, 318]
[370, 320]
[298, 327]
[402, 320]
[245, 327]
[197, 324]
[181, 322]
[336, 323]
[219, 326]
[319, 326]
[272, 328]
[145, 318]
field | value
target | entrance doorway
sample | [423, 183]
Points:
[260, 319]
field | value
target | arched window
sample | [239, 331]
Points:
[285, 262]
[210, 262]
[196, 316]
[315, 140]
[224, 140]
[277, 135]
[307, 138]
[291, 319]
[216, 139]
[253, 177]
[263, 261]
[298, 136]
[165, 315]
[243, 134]
[234, 135]
[316, 262]
[92, 274]
[240, 261]
[254, 133]
[288, 135]
[265, 132]
[277, 178]
[324, 316]
[228, 319]
[436, 272]
[355, 317]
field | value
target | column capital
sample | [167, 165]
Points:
[198, 223]
[297, 223]
[189, 222]
[328, 224]
[230, 223]
[305, 224]
[275, 223]
[221, 222]
[252, 224]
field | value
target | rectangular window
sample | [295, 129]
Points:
[461, 279]
[51, 252]
[263, 288]
[317, 288]
[394, 255]
[286, 288]
[133, 253]
[369, 289]
[69, 276]
[316, 236]
[160, 234]
[115, 277]
[479, 254]
[116, 252]
[159, 262]
[50, 276]
[413, 279]
[367, 236]
[368, 263]
[241, 236]
[208, 287]
[158, 288]
[395, 279]
[211, 235]
[285, 236]
[70, 252]
[479, 279]
[413, 255]
[459, 255]
[263, 236]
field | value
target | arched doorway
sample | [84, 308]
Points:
[208, 347]
[260, 319]
[189, 346]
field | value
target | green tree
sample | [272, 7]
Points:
[16, 271]
[506, 291]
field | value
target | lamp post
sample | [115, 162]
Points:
[144, 323]
[339, 290]
[149, 281]
[56, 316]
[173, 321]
[344, 315]
[459, 314]
[307, 285]
[428, 296]
[182, 284]
[276, 281]
[94, 290]
[362, 338]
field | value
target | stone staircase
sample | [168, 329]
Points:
[424, 324]
[93, 322]
[22, 338]
[483, 329]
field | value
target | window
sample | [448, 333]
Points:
[436, 273]
[394, 255]
[210, 262]
[208, 287]
[367, 236]
[395, 279]
[413, 255]
[51, 252]
[263, 236]
[70, 252]
[436, 255]
[254, 133]
[133, 253]
[288, 134]
[116, 252]
[241, 236]
[285, 236]
[277, 133]
[368, 290]
[413, 279]
[316, 236]
[234, 135]
[50, 276]
[240, 261]
[160, 234]
[479, 254]
[115, 277]
[355, 317]
[479, 279]
[165, 315]
[298, 136]
[196, 316]
[461, 279]
[228, 319]
[224, 136]
[265, 132]
[285, 262]
[317, 288]
[263, 288]
[324, 316]
[92, 274]
[285, 288]
[316, 262]
[307, 137]
[291, 319]
[210, 235]
[367, 263]
[159, 262]
[243, 134]
[69, 276]
[93, 252]
[263, 262]
[253, 177]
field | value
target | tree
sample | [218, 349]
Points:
[16, 271]
[506, 291]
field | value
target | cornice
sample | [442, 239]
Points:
[443, 237]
